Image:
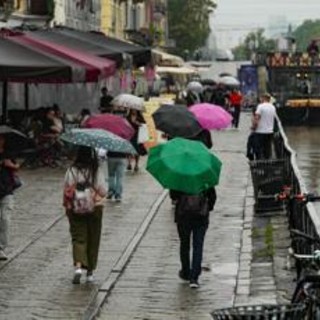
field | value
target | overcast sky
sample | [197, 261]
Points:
[235, 18]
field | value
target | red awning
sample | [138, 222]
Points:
[95, 68]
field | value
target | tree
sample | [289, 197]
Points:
[254, 41]
[189, 23]
[304, 33]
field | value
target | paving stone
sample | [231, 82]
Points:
[36, 284]
[222, 253]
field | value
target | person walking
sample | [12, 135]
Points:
[205, 137]
[192, 219]
[84, 185]
[116, 169]
[83, 117]
[263, 126]
[105, 101]
[8, 183]
[136, 119]
[235, 99]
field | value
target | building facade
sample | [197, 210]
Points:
[30, 12]
[147, 22]
[141, 21]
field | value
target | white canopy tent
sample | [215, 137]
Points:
[166, 59]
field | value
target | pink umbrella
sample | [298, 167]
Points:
[211, 116]
[113, 123]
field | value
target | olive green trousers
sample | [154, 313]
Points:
[85, 233]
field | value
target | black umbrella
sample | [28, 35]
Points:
[225, 74]
[176, 121]
[208, 82]
[15, 141]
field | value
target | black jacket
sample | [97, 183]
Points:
[205, 137]
[212, 197]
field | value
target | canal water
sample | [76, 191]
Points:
[306, 142]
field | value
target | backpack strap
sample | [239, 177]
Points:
[86, 179]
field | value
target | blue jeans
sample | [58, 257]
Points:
[116, 169]
[198, 232]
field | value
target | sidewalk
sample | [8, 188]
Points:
[150, 288]
[36, 284]
[139, 279]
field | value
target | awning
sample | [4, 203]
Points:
[141, 55]
[54, 35]
[96, 68]
[19, 63]
[175, 70]
[165, 59]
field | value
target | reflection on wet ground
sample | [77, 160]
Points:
[306, 142]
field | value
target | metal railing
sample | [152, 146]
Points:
[302, 216]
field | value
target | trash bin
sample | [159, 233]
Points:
[261, 312]
[268, 178]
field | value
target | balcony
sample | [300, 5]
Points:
[141, 37]
[160, 8]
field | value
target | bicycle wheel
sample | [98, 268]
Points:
[299, 296]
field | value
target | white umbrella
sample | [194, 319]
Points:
[229, 81]
[129, 101]
[195, 86]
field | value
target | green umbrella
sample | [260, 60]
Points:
[98, 138]
[184, 165]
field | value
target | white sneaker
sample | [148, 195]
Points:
[90, 278]
[77, 276]
[194, 284]
[3, 256]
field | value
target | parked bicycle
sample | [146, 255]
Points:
[307, 289]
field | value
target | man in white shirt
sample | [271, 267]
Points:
[264, 118]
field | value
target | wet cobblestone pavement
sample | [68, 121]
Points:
[36, 284]
[150, 288]
[137, 274]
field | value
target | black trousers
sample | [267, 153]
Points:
[264, 145]
[196, 232]
[236, 116]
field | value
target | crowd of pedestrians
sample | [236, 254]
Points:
[86, 187]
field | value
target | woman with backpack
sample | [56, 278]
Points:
[84, 192]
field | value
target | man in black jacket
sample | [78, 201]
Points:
[105, 101]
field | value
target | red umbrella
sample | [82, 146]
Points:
[110, 122]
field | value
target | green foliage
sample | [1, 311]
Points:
[269, 240]
[307, 31]
[266, 234]
[189, 23]
[255, 232]
[254, 41]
